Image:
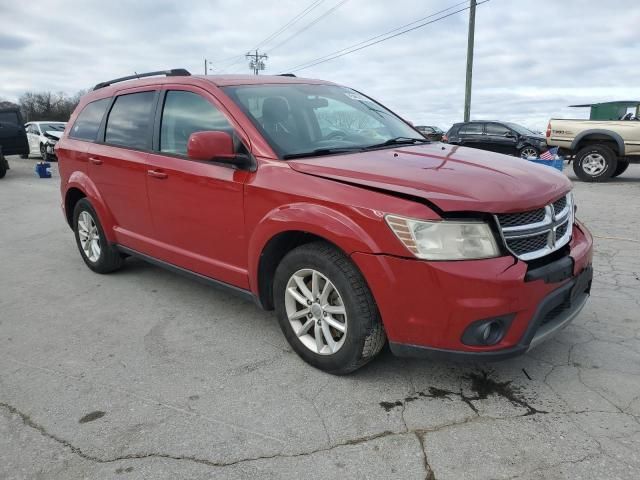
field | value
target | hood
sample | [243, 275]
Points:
[53, 133]
[451, 177]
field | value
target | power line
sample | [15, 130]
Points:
[274, 35]
[381, 35]
[335, 55]
[309, 25]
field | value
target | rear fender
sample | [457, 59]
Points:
[82, 182]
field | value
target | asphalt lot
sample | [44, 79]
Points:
[146, 374]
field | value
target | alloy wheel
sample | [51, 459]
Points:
[89, 236]
[316, 311]
[528, 152]
[594, 164]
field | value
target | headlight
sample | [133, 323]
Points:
[445, 239]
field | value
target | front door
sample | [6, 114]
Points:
[197, 207]
[501, 139]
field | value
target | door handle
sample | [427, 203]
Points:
[95, 161]
[157, 174]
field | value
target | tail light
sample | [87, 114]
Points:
[549, 130]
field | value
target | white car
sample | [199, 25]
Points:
[42, 137]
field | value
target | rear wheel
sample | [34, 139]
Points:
[96, 251]
[43, 152]
[326, 310]
[620, 169]
[595, 163]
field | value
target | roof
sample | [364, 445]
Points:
[225, 80]
[626, 103]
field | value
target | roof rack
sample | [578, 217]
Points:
[175, 72]
[286, 75]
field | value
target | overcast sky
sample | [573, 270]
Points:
[533, 57]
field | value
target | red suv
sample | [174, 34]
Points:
[314, 200]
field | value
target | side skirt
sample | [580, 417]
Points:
[212, 282]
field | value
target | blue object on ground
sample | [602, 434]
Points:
[43, 169]
[558, 163]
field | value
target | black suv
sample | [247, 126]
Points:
[13, 138]
[501, 137]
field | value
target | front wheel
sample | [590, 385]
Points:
[529, 151]
[96, 251]
[595, 163]
[326, 310]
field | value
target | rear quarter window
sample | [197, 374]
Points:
[88, 122]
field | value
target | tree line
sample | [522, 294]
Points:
[36, 106]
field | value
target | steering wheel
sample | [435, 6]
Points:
[336, 135]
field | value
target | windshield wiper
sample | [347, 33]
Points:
[318, 152]
[398, 141]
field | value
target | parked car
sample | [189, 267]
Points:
[442, 250]
[602, 149]
[13, 140]
[432, 133]
[500, 137]
[43, 137]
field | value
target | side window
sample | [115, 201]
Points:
[88, 122]
[9, 117]
[129, 120]
[471, 129]
[185, 113]
[497, 130]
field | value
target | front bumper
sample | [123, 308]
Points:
[427, 306]
[51, 149]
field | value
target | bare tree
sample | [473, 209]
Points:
[48, 106]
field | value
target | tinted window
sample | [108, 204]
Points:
[88, 122]
[129, 120]
[497, 129]
[185, 113]
[9, 117]
[471, 129]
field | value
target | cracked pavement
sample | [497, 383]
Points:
[146, 374]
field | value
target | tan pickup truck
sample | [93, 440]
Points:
[601, 149]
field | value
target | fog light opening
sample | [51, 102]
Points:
[490, 332]
[487, 332]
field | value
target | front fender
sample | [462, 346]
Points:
[82, 182]
[322, 221]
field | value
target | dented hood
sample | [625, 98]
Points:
[451, 177]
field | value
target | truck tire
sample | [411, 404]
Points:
[326, 310]
[620, 169]
[595, 163]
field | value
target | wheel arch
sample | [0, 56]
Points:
[80, 186]
[284, 229]
[607, 137]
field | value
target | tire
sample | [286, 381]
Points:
[24, 156]
[43, 152]
[3, 166]
[595, 163]
[364, 335]
[108, 258]
[620, 169]
[527, 151]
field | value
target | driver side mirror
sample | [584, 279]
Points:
[214, 146]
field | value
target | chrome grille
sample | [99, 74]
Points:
[536, 233]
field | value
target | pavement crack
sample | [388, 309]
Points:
[429, 475]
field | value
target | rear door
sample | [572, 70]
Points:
[471, 135]
[118, 164]
[197, 206]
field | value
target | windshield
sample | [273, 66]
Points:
[520, 129]
[55, 127]
[297, 119]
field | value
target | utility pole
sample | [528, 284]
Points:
[256, 61]
[205, 66]
[208, 66]
[470, 43]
